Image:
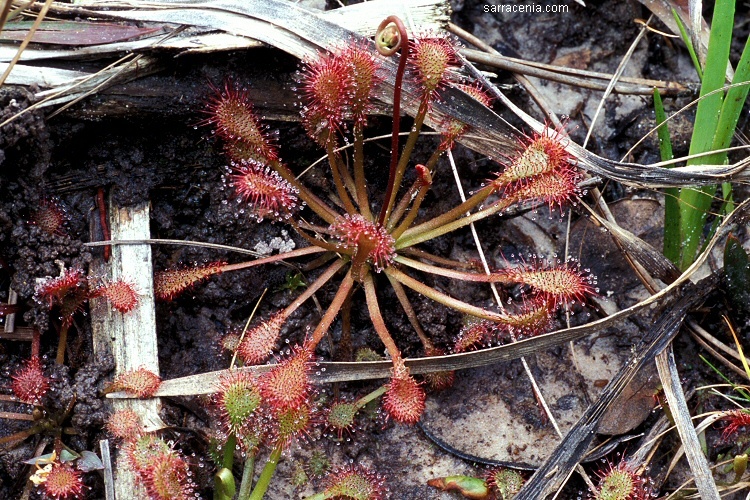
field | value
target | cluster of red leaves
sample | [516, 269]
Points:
[338, 87]
[737, 419]
[541, 170]
[160, 468]
[357, 233]
[273, 409]
[73, 288]
[163, 471]
[141, 383]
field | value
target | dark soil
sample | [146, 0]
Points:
[153, 152]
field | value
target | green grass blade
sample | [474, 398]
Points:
[732, 106]
[686, 39]
[671, 203]
[694, 203]
[728, 118]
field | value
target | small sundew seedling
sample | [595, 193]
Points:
[353, 482]
[121, 294]
[621, 482]
[292, 282]
[63, 482]
[69, 293]
[30, 384]
[50, 216]
[505, 483]
[125, 425]
[70, 286]
[339, 418]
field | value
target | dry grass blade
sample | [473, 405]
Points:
[569, 453]
[27, 40]
[670, 379]
[588, 80]
[85, 84]
[109, 479]
[4, 11]
[716, 347]
[205, 383]
[713, 352]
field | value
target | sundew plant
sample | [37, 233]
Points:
[361, 242]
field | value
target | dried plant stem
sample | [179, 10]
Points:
[665, 363]
[16, 416]
[45, 425]
[26, 40]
